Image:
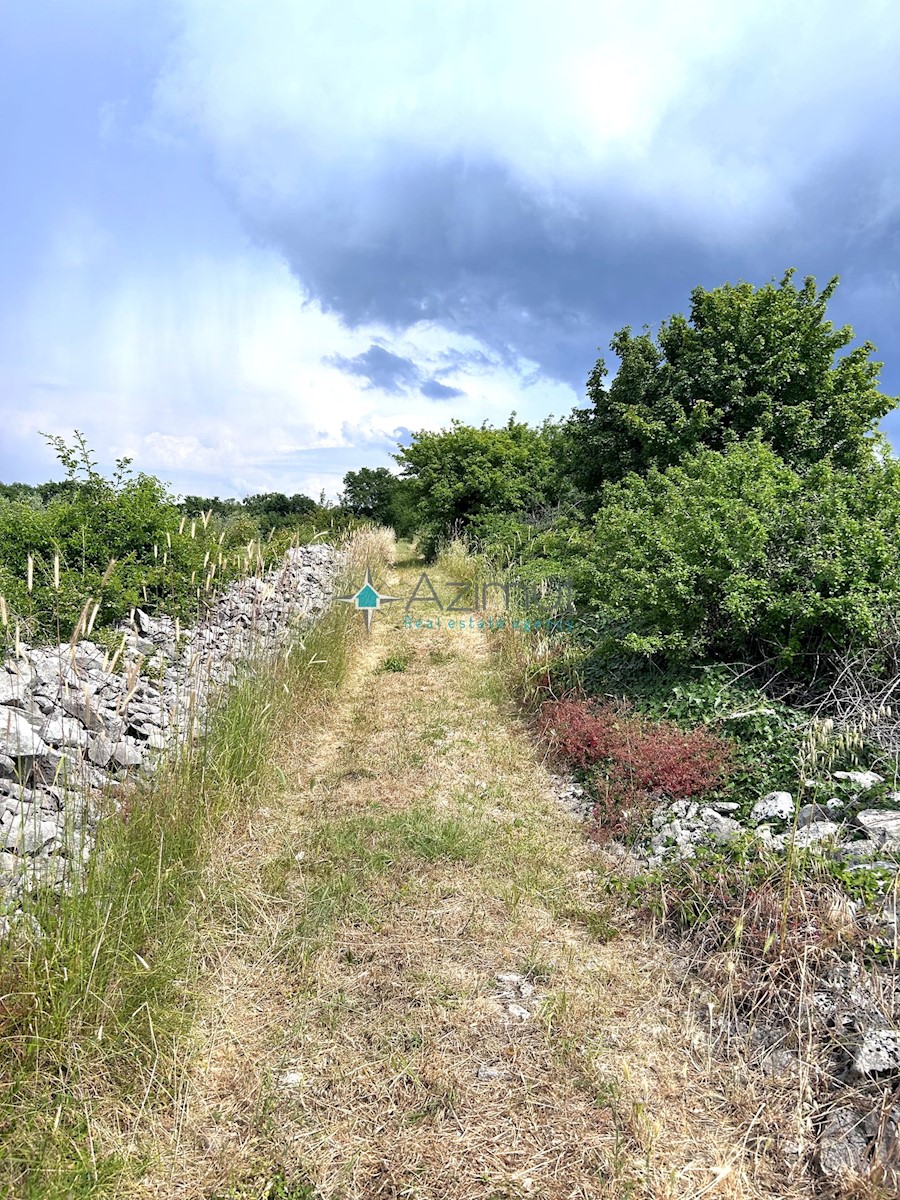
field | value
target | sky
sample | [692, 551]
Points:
[253, 244]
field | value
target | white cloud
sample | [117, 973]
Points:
[696, 107]
[203, 356]
[211, 374]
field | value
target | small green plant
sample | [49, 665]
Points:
[394, 663]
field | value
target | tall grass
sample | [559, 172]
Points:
[95, 1009]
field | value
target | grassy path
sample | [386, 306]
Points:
[418, 989]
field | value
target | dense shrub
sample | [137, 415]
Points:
[736, 555]
[121, 542]
[463, 475]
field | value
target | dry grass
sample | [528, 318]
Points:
[360, 1040]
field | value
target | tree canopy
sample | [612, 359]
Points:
[464, 473]
[748, 362]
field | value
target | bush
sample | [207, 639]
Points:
[462, 475]
[631, 760]
[117, 543]
[736, 555]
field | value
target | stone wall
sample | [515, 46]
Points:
[77, 720]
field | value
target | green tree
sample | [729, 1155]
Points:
[274, 510]
[369, 491]
[747, 362]
[465, 475]
[379, 495]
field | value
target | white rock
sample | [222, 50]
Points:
[100, 751]
[815, 831]
[774, 806]
[722, 828]
[487, 1072]
[862, 779]
[12, 688]
[126, 754]
[883, 822]
[879, 1050]
[28, 835]
[64, 731]
[18, 737]
[517, 1010]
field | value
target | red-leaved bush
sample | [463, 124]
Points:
[638, 757]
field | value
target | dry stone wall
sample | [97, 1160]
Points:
[77, 720]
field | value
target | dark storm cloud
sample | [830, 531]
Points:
[434, 390]
[469, 247]
[382, 369]
[393, 374]
[473, 362]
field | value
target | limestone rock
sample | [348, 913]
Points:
[723, 829]
[843, 1144]
[18, 737]
[28, 835]
[773, 806]
[100, 751]
[882, 824]
[862, 779]
[126, 754]
[878, 1051]
[811, 834]
[59, 730]
[813, 812]
[77, 704]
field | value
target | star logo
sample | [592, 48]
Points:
[368, 599]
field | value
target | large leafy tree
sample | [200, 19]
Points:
[747, 362]
[466, 474]
[376, 493]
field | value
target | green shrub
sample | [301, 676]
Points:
[734, 554]
[118, 543]
[464, 474]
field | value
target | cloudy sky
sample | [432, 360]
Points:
[253, 243]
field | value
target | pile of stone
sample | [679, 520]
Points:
[77, 720]
[840, 826]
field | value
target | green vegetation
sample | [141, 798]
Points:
[728, 517]
[726, 498]
[473, 481]
[733, 554]
[382, 497]
[748, 362]
[394, 663]
[83, 552]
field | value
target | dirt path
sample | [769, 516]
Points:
[420, 990]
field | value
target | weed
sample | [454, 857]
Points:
[393, 663]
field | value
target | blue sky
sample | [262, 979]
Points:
[252, 244]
